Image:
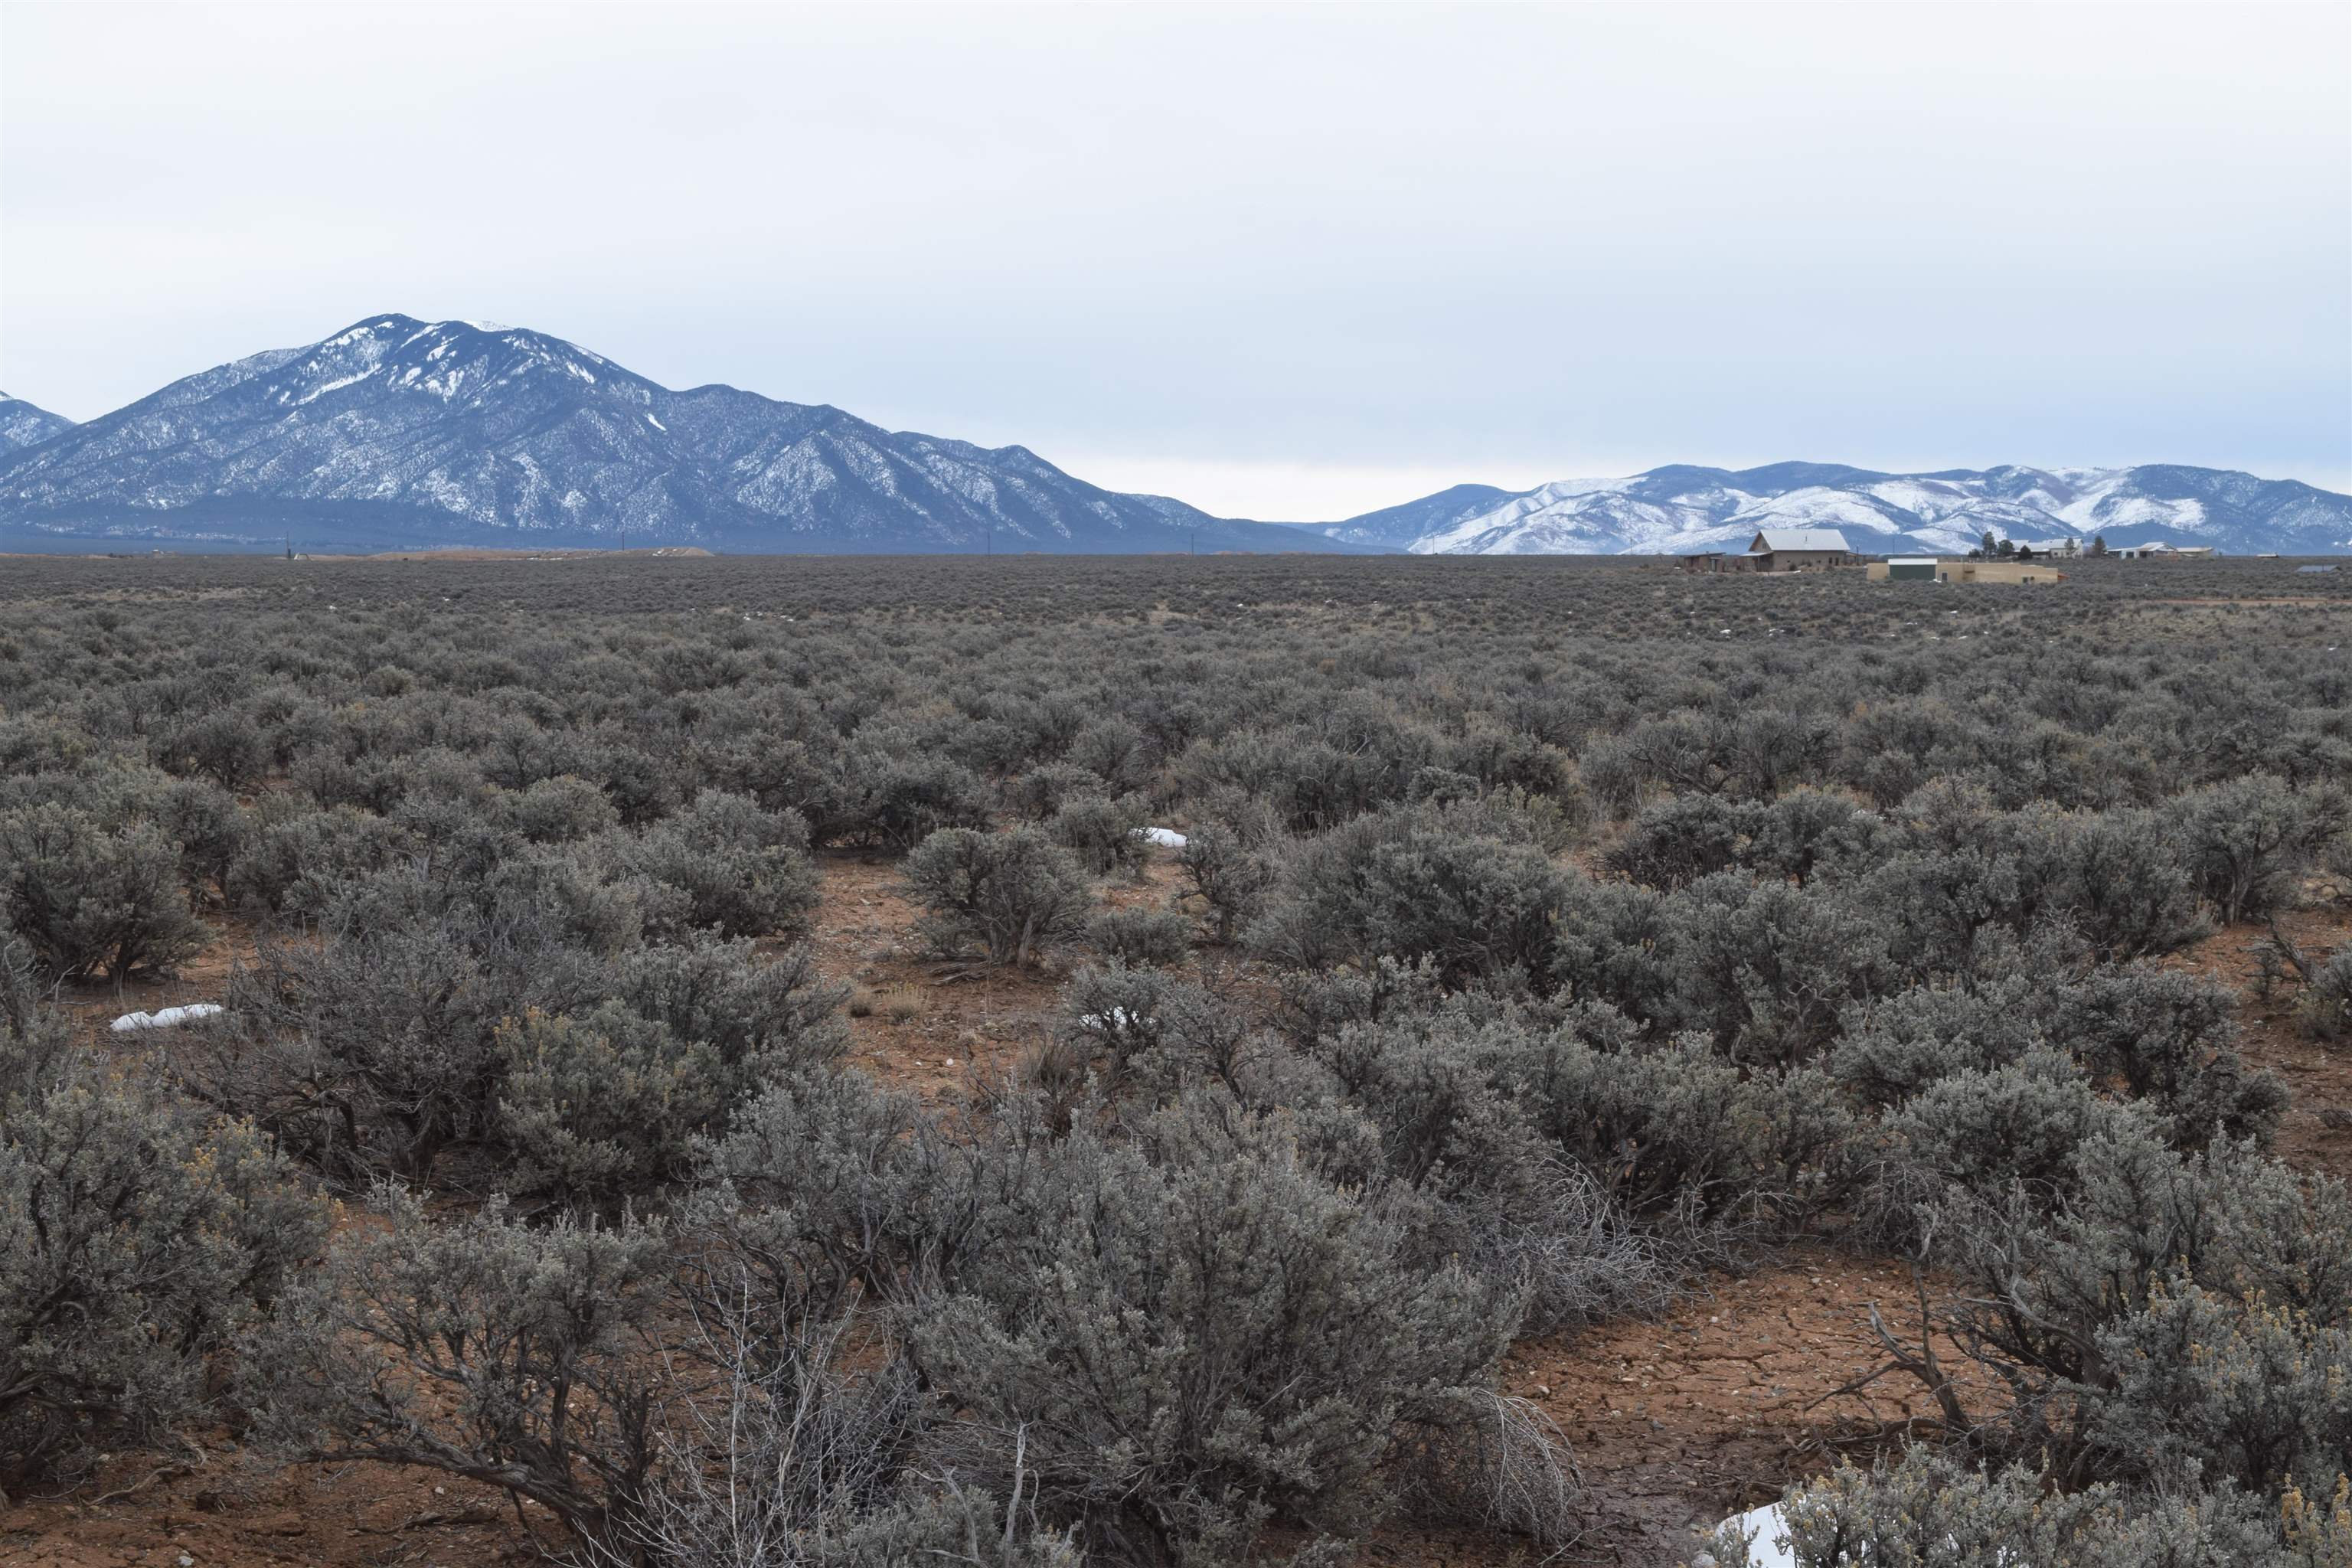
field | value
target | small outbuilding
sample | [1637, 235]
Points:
[1925, 569]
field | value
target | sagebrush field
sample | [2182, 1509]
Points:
[715, 1072]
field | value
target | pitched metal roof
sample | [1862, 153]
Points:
[1797, 538]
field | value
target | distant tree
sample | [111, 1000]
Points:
[1989, 544]
[2098, 544]
[2007, 549]
[2025, 552]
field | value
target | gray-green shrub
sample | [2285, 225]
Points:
[1012, 894]
[93, 900]
[137, 1243]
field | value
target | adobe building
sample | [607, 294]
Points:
[1780, 550]
[1922, 568]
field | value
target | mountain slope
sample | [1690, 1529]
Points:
[396, 432]
[22, 424]
[1398, 526]
[1682, 509]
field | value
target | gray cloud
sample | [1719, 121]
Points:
[1288, 253]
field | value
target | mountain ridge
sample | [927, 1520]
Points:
[396, 432]
[23, 425]
[1687, 508]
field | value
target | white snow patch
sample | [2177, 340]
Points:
[1767, 1533]
[1165, 837]
[167, 1018]
[321, 391]
[656, 423]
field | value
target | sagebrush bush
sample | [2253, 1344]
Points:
[137, 1243]
[2169, 1040]
[2323, 1009]
[558, 810]
[1893, 1048]
[1141, 936]
[2147, 1245]
[1159, 1031]
[784, 1455]
[1014, 894]
[288, 864]
[828, 1189]
[92, 899]
[725, 864]
[481, 1347]
[1395, 885]
[596, 1106]
[1677, 840]
[2248, 839]
[1103, 833]
[1926, 1510]
[1228, 877]
[1195, 1334]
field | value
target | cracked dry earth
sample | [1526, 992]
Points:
[1715, 1406]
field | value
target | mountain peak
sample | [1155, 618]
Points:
[396, 431]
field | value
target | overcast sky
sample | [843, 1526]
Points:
[1282, 262]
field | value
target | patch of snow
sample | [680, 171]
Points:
[1767, 1534]
[318, 392]
[1165, 837]
[167, 1018]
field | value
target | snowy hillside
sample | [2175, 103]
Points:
[1682, 510]
[398, 432]
[22, 424]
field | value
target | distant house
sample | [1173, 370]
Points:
[1929, 569]
[1798, 549]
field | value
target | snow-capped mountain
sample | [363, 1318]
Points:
[22, 424]
[1683, 510]
[1398, 526]
[396, 432]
